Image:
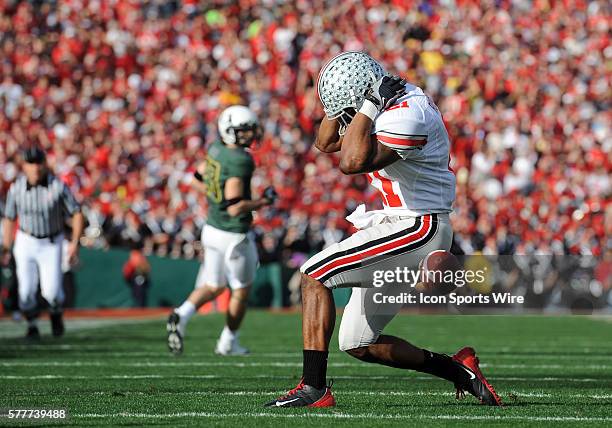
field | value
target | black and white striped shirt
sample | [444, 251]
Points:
[42, 209]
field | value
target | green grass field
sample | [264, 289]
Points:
[551, 371]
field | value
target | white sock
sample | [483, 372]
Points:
[186, 311]
[228, 335]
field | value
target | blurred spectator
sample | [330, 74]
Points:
[136, 272]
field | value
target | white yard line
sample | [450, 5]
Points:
[298, 355]
[105, 363]
[339, 393]
[271, 415]
[150, 376]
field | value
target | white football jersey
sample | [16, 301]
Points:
[421, 182]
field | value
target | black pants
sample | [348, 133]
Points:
[140, 288]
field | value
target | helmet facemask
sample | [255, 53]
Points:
[345, 118]
[246, 135]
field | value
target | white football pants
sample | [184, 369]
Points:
[229, 257]
[38, 259]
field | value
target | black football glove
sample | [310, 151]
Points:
[270, 194]
[385, 91]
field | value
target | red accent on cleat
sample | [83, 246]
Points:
[327, 400]
[297, 388]
[467, 357]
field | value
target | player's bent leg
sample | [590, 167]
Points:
[240, 263]
[360, 336]
[361, 331]
[390, 351]
[462, 369]
[228, 343]
[177, 321]
[210, 283]
[361, 328]
[318, 321]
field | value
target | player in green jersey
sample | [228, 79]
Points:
[230, 255]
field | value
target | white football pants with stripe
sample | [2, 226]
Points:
[399, 242]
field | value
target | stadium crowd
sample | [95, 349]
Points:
[124, 95]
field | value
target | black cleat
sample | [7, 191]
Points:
[175, 338]
[474, 382]
[305, 396]
[57, 324]
[32, 334]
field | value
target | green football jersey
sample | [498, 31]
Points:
[222, 163]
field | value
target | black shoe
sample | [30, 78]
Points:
[33, 334]
[175, 339]
[475, 382]
[305, 396]
[57, 324]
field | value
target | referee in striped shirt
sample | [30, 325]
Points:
[40, 203]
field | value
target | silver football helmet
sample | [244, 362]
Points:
[238, 125]
[343, 82]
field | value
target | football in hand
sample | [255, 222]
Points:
[438, 271]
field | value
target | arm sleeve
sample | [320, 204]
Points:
[70, 204]
[405, 134]
[10, 210]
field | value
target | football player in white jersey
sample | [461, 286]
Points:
[391, 131]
